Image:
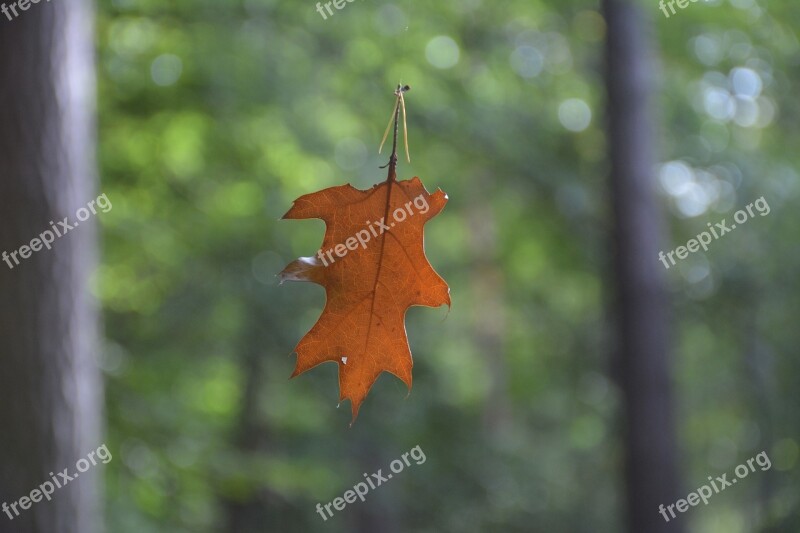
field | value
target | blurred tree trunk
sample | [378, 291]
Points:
[265, 509]
[50, 398]
[488, 323]
[760, 376]
[640, 295]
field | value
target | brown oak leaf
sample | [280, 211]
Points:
[372, 264]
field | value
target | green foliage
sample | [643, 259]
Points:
[214, 116]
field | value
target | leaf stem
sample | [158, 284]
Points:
[392, 164]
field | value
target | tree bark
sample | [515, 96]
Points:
[640, 296]
[50, 397]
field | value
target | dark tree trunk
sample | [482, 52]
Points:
[640, 295]
[50, 397]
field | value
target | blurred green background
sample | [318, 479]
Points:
[215, 116]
